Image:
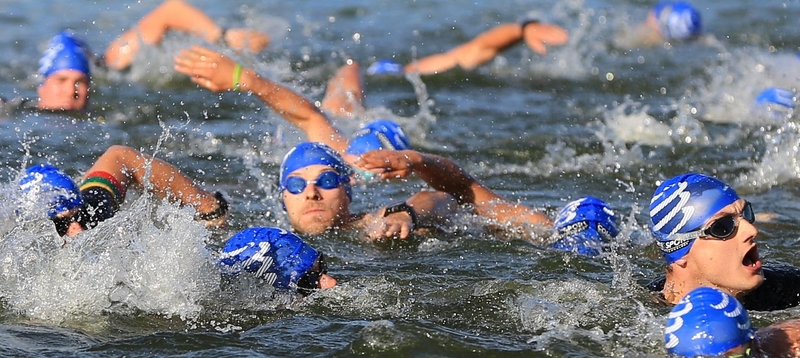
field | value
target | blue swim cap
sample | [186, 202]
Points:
[584, 225]
[311, 153]
[677, 20]
[775, 95]
[46, 181]
[65, 52]
[683, 204]
[379, 134]
[275, 255]
[385, 67]
[706, 322]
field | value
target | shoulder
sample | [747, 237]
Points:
[780, 289]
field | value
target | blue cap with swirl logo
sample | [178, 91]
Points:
[65, 52]
[677, 20]
[272, 254]
[683, 204]
[584, 226]
[49, 184]
[707, 322]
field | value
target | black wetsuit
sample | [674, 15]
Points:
[780, 290]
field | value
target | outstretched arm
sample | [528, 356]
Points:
[130, 168]
[489, 44]
[445, 175]
[179, 16]
[215, 72]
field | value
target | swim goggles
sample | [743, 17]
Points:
[326, 180]
[722, 228]
[62, 223]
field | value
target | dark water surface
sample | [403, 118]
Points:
[594, 117]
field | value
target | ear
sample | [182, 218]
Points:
[680, 262]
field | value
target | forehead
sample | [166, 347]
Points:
[733, 208]
[311, 171]
[67, 75]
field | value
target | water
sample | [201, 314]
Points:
[591, 118]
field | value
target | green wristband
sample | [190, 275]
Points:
[237, 76]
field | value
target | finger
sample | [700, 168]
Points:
[405, 230]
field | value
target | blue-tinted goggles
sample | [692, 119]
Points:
[326, 180]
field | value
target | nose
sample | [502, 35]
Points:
[74, 229]
[746, 229]
[311, 192]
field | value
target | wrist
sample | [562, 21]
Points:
[402, 207]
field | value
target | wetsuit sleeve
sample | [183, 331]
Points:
[780, 290]
[102, 195]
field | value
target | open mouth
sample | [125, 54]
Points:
[751, 258]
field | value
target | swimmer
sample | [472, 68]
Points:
[65, 67]
[776, 102]
[666, 21]
[278, 257]
[316, 193]
[710, 322]
[706, 234]
[584, 226]
[481, 49]
[73, 208]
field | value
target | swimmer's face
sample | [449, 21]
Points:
[65, 90]
[316, 210]
[732, 265]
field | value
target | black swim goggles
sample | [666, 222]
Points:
[722, 228]
[326, 180]
[310, 281]
[62, 223]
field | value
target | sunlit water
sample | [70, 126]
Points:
[595, 117]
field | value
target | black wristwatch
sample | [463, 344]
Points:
[402, 206]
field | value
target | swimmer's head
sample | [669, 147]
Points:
[275, 255]
[46, 184]
[584, 225]
[65, 52]
[677, 20]
[683, 204]
[707, 322]
[64, 74]
[380, 134]
[312, 153]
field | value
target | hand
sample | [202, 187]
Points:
[396, 225]
[207, 68]
[538, 35]
[244, 39]
[218, 223]
[389, 164]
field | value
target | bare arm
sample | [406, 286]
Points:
[345, 91]
[178, 16]
[489, 44]
[430, 207]
[444, 175]
[215, 71]
[129, 167]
